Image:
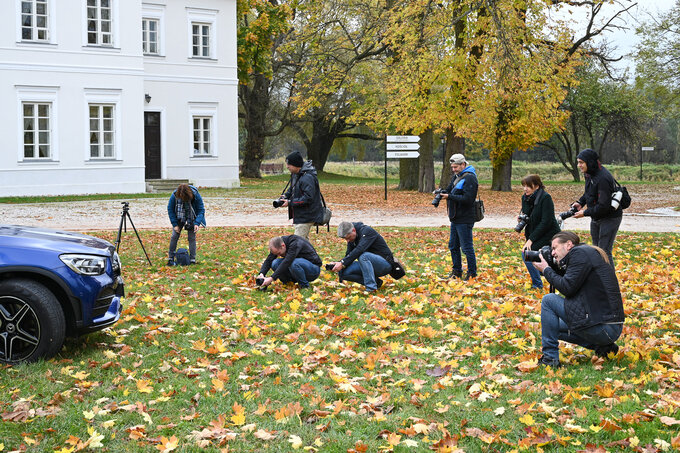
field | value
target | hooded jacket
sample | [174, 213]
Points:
[304, 196]
[599, 188]
[196, 205]
[590, 287]
[542, 225]
[462, 191]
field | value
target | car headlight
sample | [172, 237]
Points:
[115, 264]
[85, 264]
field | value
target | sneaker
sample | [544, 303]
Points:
[555, 363]
[455, 274]
[468, 276]
[379, 282]
[171, 262]
[603, 351]
[192, 262]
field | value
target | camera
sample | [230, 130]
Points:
[566, 214]
[546, 253]
[523, 219]
[259, 281]
[437, 197]
[329, 266]
[278, 203]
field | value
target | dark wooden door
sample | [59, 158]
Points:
[152, 145]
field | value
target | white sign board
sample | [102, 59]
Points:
[402, 146]
[647, 148]
[403, 138]
[403, 154]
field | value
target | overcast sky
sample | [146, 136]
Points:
[625, 40]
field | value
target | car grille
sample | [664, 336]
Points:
[101, 305]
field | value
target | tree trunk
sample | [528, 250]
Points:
[426, 162]
[453, 145]
[408, 174]
[255, 102]
[502, 177]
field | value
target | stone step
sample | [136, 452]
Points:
[164, 185]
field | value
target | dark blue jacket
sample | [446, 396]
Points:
[296, 247]
[304, 196]
[462, 192]
[196, 204]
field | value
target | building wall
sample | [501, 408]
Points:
[69, 75]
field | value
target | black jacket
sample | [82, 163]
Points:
[598, 194]
[542, 225]
[462, 192]
[367, 240]
[296, 247]
[304, 196]
[590, 287]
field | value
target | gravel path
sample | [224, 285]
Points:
[151, 213]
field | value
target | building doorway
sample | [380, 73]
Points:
[152, 145]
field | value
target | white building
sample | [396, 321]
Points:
[99, 95]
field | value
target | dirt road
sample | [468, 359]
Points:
[151, 213]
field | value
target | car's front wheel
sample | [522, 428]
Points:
[32, 324]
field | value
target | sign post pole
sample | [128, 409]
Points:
[644, 148]
[400, 147]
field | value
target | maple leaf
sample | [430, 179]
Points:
[527, 419]
[166, 444]
[669, 421]
[295, 441]
[144, 386]
[239, 417]
[264, 435]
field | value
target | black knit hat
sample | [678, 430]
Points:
[591, 159]
[295, 159]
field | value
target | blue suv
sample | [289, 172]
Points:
[53, 284]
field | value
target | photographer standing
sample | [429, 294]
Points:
[186, 210]
[293, 259]
[303, 199]
[460, 203]
[367, 257]
[591, 312]
[604, 220]
[539, 221]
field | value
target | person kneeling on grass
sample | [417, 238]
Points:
[293, 259]
[591, 312]
[367, 257]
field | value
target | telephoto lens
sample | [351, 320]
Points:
[259, 281]
[278, 203]
[522, 222]
[437, 198]
[569, 213]
[329, 266]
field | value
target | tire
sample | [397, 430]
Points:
[32, 324]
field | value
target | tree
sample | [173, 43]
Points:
[262, 28]
[600, 109]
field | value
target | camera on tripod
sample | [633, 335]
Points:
[437, 197]
[523, 219]
[546, 253]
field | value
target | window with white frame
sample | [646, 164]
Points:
[99, 22]
[37, 130]
[200, 40]
[202, 135]
[202, 32]
[150, 36]
[35, 20]
[102, 131]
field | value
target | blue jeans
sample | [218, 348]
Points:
[553, 329]
[365, 269]
[301, 271]
[461, 238]
[535, 274]
[603, 232]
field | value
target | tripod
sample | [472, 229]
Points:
[123, 227]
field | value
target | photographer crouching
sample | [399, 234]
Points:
[591, 312]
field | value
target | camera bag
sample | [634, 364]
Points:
[625, 198]
[397, 271]
[182, 257]
[327, 213]
[479, 209]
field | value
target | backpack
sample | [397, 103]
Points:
[625, 197]
[182, 257]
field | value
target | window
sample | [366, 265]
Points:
[99, 30]
[202, 135]
[101, 131]
[37, 130]
[34, 20]
[200, 39]
[150, 36]
[202, 32]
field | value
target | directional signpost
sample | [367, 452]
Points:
[644, 148]
[400, 147]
